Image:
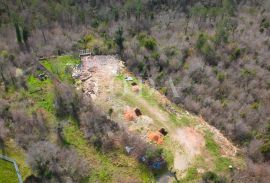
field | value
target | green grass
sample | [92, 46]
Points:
[16, 153]
[220, 163]
[41, 92]
[105, 167]
[211, 145]
[7, 172]
[169, 157]
[192, 175]
[148, 94]
[61, 67]
[181, 121]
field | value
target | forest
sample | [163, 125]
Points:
[209, 57]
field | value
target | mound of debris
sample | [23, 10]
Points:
[131, 114]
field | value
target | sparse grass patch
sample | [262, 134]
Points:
[220, 163]
[211, 145]
[169, 157]
[182, 121]
[191, 175]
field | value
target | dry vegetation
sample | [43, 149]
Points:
[215, 53]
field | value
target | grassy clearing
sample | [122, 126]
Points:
[111, 167]
[62, 66]
[7, 172]
[181, 121]
[41, 92]
[105, 167]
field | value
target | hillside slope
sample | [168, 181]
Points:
[191, 146]
[208, 57]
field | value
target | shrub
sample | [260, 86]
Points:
[211, 177]
[265, 24]
[95, 23]
[48, 161]
[220, 76]
[66, 101]
[28, 129]
[206, 49]
[164, 90]
[235, 54]
[197, 75]
[265, 150]
[155, 55]
[247, 73]
[147, 41]
[150, 43]
[229, 6]
[171, 51]
[202, 39]
[119, 39]
[209, 54]
[242, 133]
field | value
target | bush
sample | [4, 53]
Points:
[235, 54]
[209, 54]
[28, 129]
[220, 76]
[211, 177]
[48, 161]
[265, 24]
[67, 101]
[163, 90]
[229, 6]
[147, 41]
[265, 150]
[119, 39]
[171, 51]
[202, 39]
[206, 49]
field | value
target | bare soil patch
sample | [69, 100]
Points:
[192, 141]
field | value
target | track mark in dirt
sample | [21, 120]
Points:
[192, 141]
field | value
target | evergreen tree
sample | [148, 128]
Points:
[18, 33]
[119, 39]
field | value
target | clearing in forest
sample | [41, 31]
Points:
[191, 146]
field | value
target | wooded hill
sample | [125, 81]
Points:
[214, 52]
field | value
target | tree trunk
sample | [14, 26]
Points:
[44, 37]
[186, 28]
